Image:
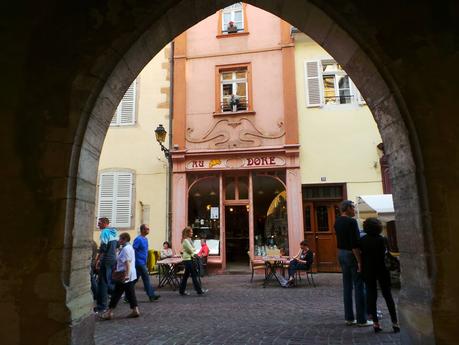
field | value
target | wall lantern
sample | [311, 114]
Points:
[160, 133]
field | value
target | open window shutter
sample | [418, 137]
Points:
[358, 96]
[127, 110]
[106, 196]
[123, 195]
[313, 84]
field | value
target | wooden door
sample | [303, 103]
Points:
[319, 218]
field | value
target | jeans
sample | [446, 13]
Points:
[129, 292]
[142, 272]
[352, 280]
[190, 269]
[104, 285]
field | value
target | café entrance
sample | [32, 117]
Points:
[237, 235]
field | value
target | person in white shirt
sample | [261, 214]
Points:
[124, 277]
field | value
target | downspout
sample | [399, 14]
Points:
[171, 116]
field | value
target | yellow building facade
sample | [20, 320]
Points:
[339, 158]
[133, 183]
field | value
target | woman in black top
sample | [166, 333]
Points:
[302, 261]
[373, 247]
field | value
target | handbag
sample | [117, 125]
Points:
[119, 276]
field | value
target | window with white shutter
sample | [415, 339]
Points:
[328, 84]
[313, 84]
[115, 198]
[125, 112]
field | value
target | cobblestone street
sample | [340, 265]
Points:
[236, 311]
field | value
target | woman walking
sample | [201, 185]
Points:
[373, 247]
[124, 278]
[187, 256]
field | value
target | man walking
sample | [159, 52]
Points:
[141, 254]
[105, 260]
[348, 236]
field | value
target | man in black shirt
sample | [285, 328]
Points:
[348, 236]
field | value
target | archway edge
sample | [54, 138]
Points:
[380, 92]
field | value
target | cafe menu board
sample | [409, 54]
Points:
[214, 213]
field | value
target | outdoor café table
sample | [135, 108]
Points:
[274, 264]
[168, 272]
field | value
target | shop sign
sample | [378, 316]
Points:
[235, 163]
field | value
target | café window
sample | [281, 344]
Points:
[270, 214]
[236, 187]
[232, 19]
[204, 206]
[234, 89]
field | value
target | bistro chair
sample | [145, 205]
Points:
[152, 259]
[309, 273]
[255, 265]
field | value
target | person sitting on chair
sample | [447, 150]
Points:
[302, 261]
[202, 255]
[166, 252]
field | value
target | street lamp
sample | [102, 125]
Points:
[160, 133]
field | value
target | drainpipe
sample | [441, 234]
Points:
[171, 116]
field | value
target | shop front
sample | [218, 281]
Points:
[239, 203]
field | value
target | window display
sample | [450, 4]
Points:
[270, 214]
[203, 205]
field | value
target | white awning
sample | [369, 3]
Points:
[382, 204]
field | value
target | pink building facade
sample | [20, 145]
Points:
[235, 156]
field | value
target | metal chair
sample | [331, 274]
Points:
[255, 265]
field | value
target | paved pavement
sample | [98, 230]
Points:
[236, 311]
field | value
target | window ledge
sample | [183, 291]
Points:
[236, 34]
[235, 113]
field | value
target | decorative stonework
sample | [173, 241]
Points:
[232, 133]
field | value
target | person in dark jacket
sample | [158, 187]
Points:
[373, 248]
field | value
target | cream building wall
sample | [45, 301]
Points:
[338, 142]
[134, 147]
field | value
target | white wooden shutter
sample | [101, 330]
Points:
[314, 97]
[125, 112]
[106, 200]
[115, 198]
[123, 198]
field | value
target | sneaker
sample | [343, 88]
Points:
[108, 315]
[351, 322]
[203, 292]
[185, 293]
[154, 298]
[134, 313]
[365, 324]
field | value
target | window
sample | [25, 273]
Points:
[233, 85]
[328, 84]
[115, 198]
[233, 19]
[125, 112]
[233, 88]
[204, 207]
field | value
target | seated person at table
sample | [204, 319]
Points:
[166, 252]
[302, 261]
[202, 255]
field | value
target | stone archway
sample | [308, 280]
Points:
[69, 65]
[382, 97]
